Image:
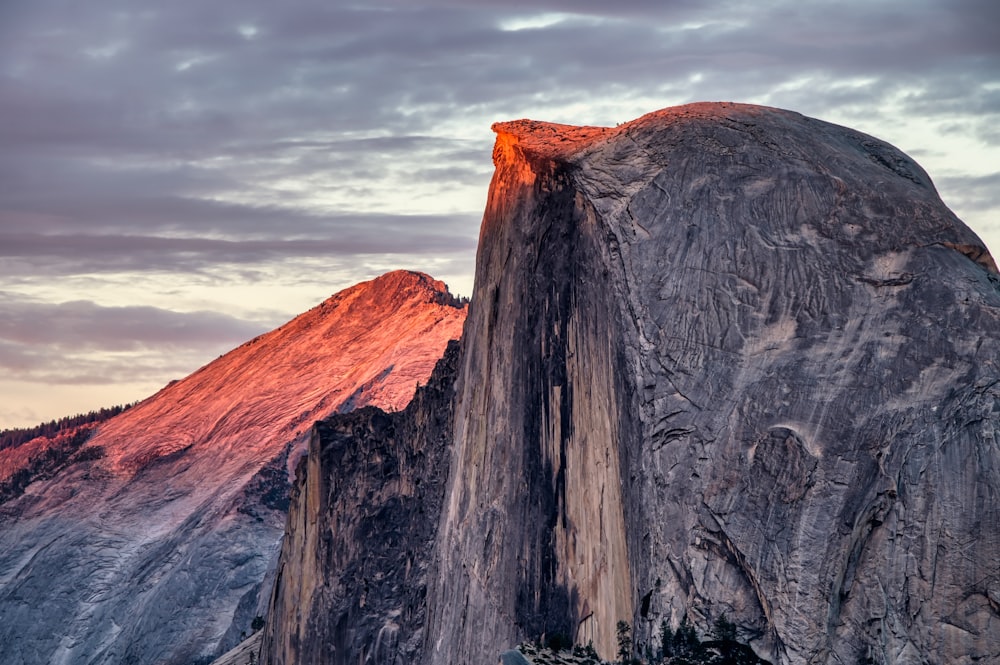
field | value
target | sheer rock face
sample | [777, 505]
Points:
[352, 576]
[152, 543]
[723, 358]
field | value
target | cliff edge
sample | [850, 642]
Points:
[723, 359]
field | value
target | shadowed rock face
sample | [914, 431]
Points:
[352, 577]
[152, 542]
[730, 359]
[721, 359]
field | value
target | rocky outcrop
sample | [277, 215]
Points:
[152, 541]
[244, 653]
[352, 577]
[720, 359]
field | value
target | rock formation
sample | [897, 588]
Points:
[151, 542]
[352, 578]
[720, 359]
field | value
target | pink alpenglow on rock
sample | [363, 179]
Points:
[153, 540]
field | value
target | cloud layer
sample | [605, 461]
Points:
[247, 157]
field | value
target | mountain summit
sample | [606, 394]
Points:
[721, 361]
[152, 543]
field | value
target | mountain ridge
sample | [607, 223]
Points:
[154, 547]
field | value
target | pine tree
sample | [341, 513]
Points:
[666, 639]
[624, 643]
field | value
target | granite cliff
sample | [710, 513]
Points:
[352, 578]
[151, 541]
[722, 359]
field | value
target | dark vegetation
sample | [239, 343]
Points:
[65, 436]
[10, 438]
[683, 647]
[269, 488]
[62, 452]
[675, 647]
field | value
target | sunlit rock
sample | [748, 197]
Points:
[153, 544]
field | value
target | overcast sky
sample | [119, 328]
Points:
[177, 177]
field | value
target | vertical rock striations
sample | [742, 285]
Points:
[720, 359]
[352, 575]
[534, 535]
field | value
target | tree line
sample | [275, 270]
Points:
[683, 646]
[9, 438]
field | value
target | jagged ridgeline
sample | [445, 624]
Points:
[721, 361]
[151, 536]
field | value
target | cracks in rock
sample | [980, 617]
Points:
[752, 129]
[947, 622]
[902, 280]
[742, 280]
[894, 161]
[867, 523]
[670, 436]
[770, 244]
[484, 593]
[682, 395]
[975, 253]
[683, 576]
[662, 166]
[705, 345]
[662, 370]
[635, 223]
[725, 548]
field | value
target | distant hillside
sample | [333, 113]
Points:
[148, 537]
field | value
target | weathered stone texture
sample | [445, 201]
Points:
[351, 579]
[818, 369]
[724, 359]
[721, 359]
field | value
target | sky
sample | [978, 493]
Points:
[178, 177]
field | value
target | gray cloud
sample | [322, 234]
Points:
[979, 194]
[261, 136]
[82, 343]
[88, 326]
[73, 253]
[28, 365]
